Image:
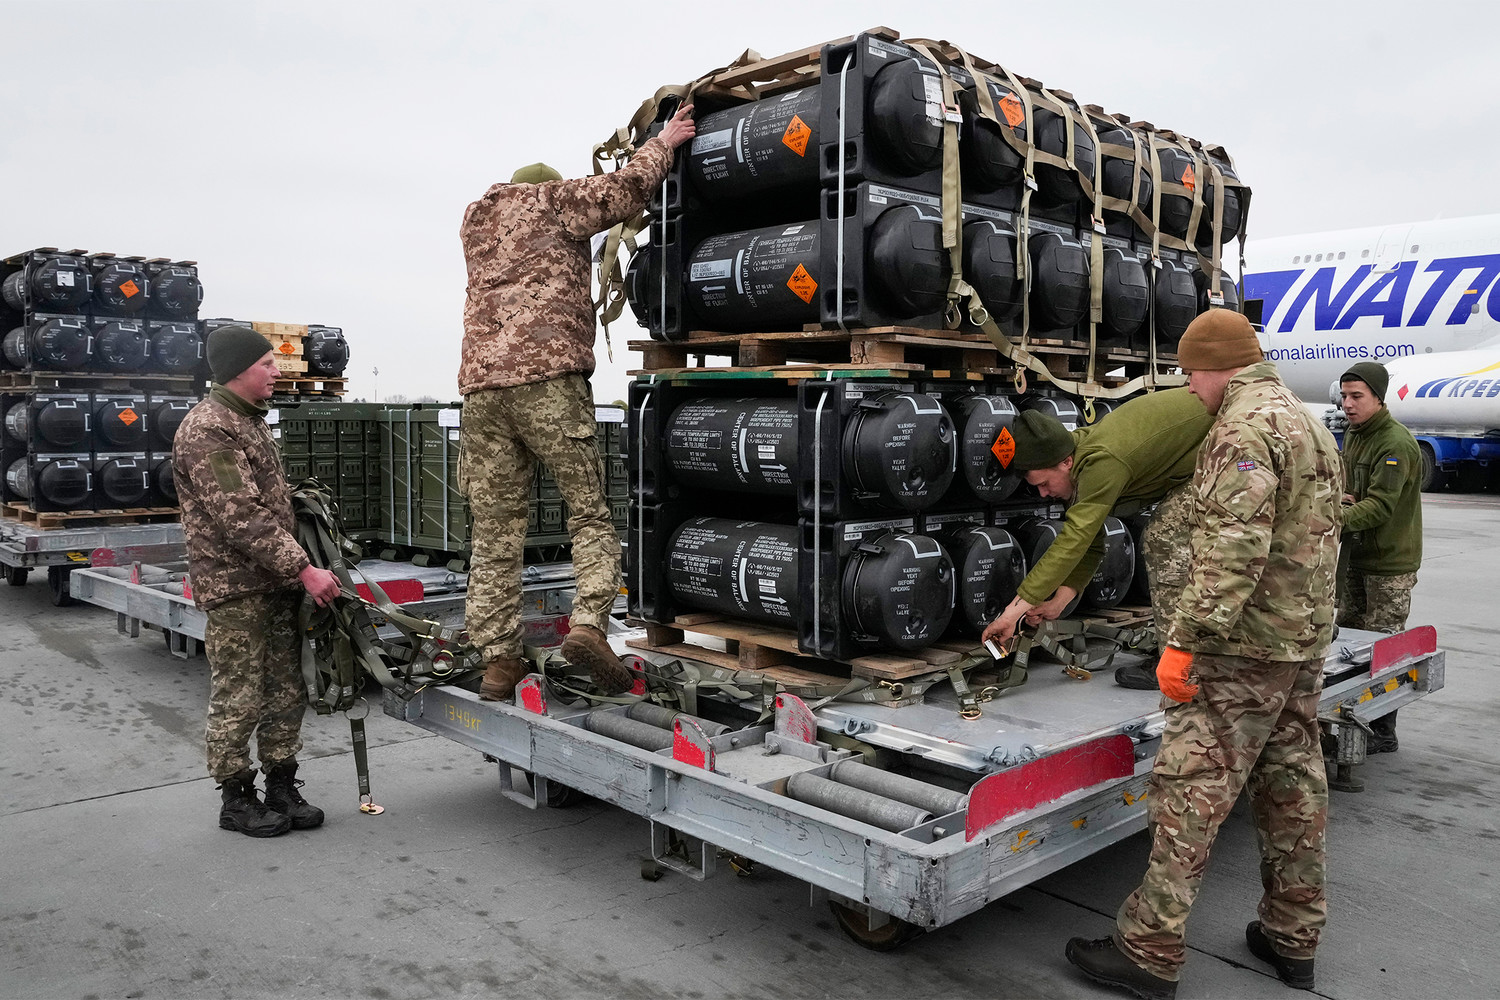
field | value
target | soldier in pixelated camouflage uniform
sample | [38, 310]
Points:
[1251, 629]
[248, 574]
[1382, 518]
[1141, 453]
[528, 350]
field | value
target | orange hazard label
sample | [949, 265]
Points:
[1004, 448]
[130, 288]
[796, 135]
[128, 416]
[287, 348]
[802, 284]
[1189, 179]
[1011, 108]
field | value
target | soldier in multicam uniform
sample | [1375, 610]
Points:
[528, 350]
[248, 574]
[1143, 453]
[1382, 518]
[1251, 627]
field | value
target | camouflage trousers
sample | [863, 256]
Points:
[1169, 558]
[1252, 724]
[504, 432]
[1374, 602]
[254, 657]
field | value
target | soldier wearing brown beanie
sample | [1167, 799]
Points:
[1242, 668]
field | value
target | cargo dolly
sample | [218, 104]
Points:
[903, 819]
[25, 547]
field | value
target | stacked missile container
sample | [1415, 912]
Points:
[879, 515]
[102, 358]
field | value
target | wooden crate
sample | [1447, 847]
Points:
[288, 340]
[48, 520]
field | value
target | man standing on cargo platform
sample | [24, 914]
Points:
[528, 350]
[1142, 453]
[1382, 518]
[1251, 629]
[248, 574]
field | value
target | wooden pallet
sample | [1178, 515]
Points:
[774, 653]
[310, 386]
[764, 77]
[49, 520]
[898, 348]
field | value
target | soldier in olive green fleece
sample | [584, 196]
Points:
[1382, 518]
[1133, 458]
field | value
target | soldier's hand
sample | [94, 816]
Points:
[1172, 674]
[1052, 608]
[681, 128]
[1004, 627]
[321, 585]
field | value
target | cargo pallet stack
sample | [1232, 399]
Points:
[312, 358]
[102, 358]
[897, 246]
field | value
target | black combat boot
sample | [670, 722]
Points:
[1102, 962]
[282, 795]
[1295, 972]
[1138, 677]
[243, 811]
[1382, 738]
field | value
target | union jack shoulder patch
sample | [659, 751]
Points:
[1246, 466]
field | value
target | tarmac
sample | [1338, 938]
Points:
[115, 880]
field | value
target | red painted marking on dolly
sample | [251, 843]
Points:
[532, 698]
[1402, 647]
[399, 591]
[998, 796]
[691, 745]
[794, 719]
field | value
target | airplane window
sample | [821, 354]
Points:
[1364, 253]
[1320, 256]
[1296, 260]
[1341, 255]
[1415, 248]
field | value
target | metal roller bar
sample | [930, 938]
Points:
[637, 734]
[921, 794]
[663, 718]
[867, 807]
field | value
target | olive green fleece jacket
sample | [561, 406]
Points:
[1131, 457]
[1383, 472]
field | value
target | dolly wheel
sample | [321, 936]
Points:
[887, 937]
[16, 575]
[57, 580]
[559, 796]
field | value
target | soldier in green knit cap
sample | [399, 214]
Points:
[1382, 541]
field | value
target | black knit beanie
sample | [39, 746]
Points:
[1041, 441]
[1372, 374]
[232, 349]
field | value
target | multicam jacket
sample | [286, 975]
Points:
[1267, 492]
[1133, 457]
[236, 505]
[528, 316]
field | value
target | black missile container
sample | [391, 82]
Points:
[1116, 572]
[891, 102]
[988, 566]
[121, 287]
[120, 345]
[326, 351]
[982, 430]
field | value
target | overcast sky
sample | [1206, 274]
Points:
[316, 158]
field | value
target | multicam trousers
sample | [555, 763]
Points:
[254, 657]
[1169, 558]
[1254, 724]
[504, 432]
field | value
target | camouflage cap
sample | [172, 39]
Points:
[1218, 339]
[232, 349]
[1041, 441]
[1372, 374]
[535, 173]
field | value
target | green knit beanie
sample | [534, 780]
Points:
[232, 349]
[1041, 441]
[536, 173]
[1372, 374]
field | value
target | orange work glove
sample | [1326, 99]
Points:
[1172, 674]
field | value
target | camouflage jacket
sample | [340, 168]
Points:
[236, 504]
[1130, 458]
[529, 316]
[1267, 491]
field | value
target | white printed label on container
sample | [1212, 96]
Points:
[450, 418]
[608, 415]
[273, 417]
[65, 278]
[708, 142]
[711, 270]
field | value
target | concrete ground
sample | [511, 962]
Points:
[116, 882]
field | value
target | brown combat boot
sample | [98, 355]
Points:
[501, 675]
[586, 646]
